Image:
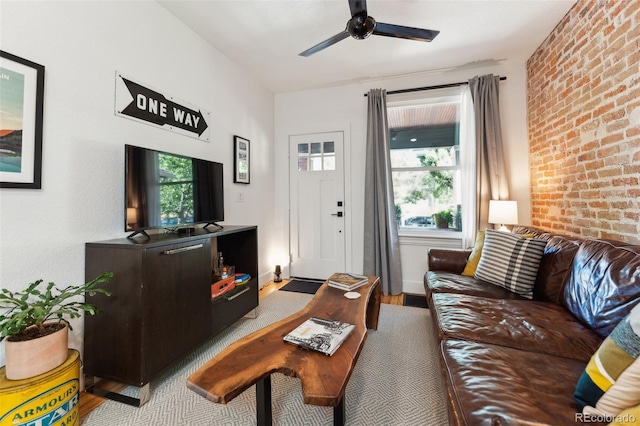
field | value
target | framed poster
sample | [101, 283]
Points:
[22, 88]
[241, 160]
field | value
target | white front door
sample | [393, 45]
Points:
[316, 194]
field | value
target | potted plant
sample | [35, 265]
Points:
[36, 324]
[443, 219]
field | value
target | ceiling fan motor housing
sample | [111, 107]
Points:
[361, 26]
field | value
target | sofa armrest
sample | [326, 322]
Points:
[447, 260]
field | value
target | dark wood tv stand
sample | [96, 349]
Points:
[161, 309]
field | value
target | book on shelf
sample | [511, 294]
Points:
[241, 278]
[346, 281]
[319, 334]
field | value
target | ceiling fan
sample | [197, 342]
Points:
[361, 26]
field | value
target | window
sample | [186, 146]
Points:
[316, 156]
[425, 161]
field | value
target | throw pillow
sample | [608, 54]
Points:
[510, 261]
[611, 381]
[628, 417]
[474, 257]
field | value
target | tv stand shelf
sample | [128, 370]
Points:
[161, 309]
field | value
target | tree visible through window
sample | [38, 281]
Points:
[425, 161]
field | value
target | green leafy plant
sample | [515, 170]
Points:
[443, 217]
[35, 305]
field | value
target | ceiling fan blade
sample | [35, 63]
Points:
[323, 45]
[358, 6]
[400, 31]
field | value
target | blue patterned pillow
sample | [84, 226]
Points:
[510, 261]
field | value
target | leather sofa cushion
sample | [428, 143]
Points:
[494, 385]
[531, 326]
[555, 269]
[604, 284]
[530, 230]
[448, 260]
[448, 282]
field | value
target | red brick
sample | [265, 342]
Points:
[634, 216]
[632, 131]
[616, 137]
[582, 89]
[621, 205]
[617, 125]
[598, 204]
[601, 110]
[620, 89]
[627, 181]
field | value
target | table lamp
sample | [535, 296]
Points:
[277, 275]
[503, 212]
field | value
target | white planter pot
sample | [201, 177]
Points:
[31, 358]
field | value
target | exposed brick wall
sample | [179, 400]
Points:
[583, 101]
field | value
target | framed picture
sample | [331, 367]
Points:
[21, 103]
[241, 160]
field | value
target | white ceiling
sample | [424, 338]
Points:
[265, 36]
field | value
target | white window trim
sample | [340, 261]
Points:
[439, 96]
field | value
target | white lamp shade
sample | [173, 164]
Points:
[503, 212]
[132, 215]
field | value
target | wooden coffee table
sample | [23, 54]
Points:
[252, 359]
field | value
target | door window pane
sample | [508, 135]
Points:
[329, 147]
[316, 156]
[303, 164]
[329, 163]
[316, 164]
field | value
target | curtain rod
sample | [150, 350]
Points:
[419, 89]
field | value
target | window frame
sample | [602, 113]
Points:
[434, 97]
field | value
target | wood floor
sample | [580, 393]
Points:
[89, 401]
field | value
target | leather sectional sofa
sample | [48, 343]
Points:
[509, 360]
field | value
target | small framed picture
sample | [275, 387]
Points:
[21, 103]
[241, 155]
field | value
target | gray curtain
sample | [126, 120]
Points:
[381, 245]
[490, 163]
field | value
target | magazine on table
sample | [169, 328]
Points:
[319, 334]
[346, 281]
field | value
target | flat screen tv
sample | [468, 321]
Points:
[164, 190]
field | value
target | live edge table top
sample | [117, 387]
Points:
[256, 356]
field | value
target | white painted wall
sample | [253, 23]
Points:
[82, 44]
[345, 108]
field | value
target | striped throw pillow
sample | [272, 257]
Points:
[611, 381]
[510, 261]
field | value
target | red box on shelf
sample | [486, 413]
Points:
[221, 287]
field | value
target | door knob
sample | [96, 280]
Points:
[339, 214]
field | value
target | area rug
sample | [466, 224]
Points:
[396, 381]
[302, 286]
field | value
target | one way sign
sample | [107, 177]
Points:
[135, 101]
